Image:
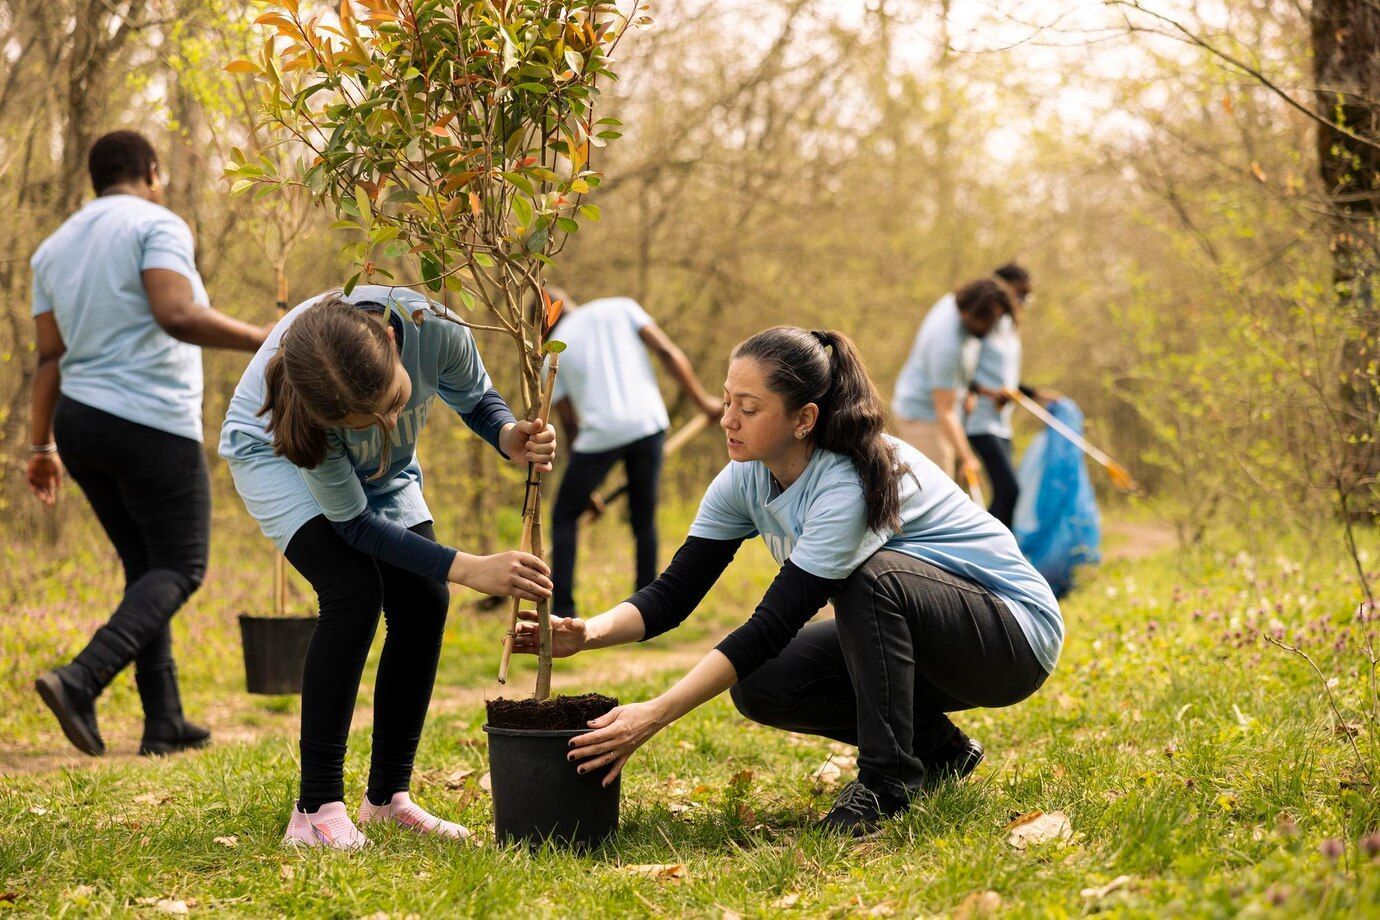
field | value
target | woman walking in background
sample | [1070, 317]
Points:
[935, 608]
[988, 409]
[321, 438]
[121, 316]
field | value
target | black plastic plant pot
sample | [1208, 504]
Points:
[539, 795]
[275, 649]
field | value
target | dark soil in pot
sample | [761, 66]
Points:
[538, 794]
[275, 649]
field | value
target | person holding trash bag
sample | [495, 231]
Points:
[936, 610]
[121, 316]
[610, 407]
[987, 410]
[935, 377]
[321, 438]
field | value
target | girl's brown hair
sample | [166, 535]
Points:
[825, 368]
[332, 361]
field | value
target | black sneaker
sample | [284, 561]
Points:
[75, 712]
[954, 760]
[859, 812]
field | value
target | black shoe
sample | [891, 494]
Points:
[166, 738]
[954, 760]
[859, 812]
[165, 729]
[75, 711]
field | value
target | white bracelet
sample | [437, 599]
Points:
[49, 448]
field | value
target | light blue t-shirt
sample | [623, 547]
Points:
[998, 368]
[441, 359]
[820, 524]
[119, 360]
[607, 375]
[942, 357]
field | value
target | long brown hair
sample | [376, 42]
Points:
[824, 368]
[332, 361]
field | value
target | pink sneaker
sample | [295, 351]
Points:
[404, 812]
[328, 826]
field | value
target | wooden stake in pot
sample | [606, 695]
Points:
[532, 543]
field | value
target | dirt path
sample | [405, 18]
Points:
[1136, 539]
[242, 719]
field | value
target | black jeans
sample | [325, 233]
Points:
[995, 453]
[909, 643]
[642, 461]
[152, 494]
[351, 589]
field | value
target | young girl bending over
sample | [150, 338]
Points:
[321, 438]
[935, 608]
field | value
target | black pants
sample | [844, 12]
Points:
[351, 589]
[909, 643]
[152, 494]
[995, 453]
[642, 461]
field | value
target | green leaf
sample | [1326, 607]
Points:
[483, 259]
[534, 88]
[350, 285]
[240, 186]
[553, 347]
[366, 213]
[568, 224]
[522, 209]
[590, 212]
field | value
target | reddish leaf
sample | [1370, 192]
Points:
[553, 310]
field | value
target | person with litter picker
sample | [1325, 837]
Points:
[610, 406]
[121, 316]
[321, 439]
[936, 610]
[934, 379]
[987, 408]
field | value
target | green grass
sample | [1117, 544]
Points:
[1187, 753]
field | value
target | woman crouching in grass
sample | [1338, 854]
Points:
[936, 610]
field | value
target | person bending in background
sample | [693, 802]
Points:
[607, 399]
[987, 408]
[936, 610]
[121, 317]
[936, 374]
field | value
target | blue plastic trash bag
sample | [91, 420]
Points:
[1057, 524]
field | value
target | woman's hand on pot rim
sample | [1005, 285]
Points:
[615, 736]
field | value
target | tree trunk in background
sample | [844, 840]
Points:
[1346, 68]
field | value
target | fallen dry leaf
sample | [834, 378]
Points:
[678, 808]
[37, 810]
[228, 842]
[730, 915]
[171, 906]
[485, 783]
[742, 778]
[786, 901]
[881, 910]
[8, 897]
[287, 873]
[1092, 894]
[82, 891]
[662, 872]
[150, 798]
[827, 775]
[978, 904]
[1038, 827]
[456, 778]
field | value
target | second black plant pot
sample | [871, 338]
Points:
[539, 796]
[275, 648]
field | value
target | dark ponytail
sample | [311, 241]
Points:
[334, 360]
[825, 368]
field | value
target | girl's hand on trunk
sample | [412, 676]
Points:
[530, 442]
[568, 635]
[510, 574]
[615, 737]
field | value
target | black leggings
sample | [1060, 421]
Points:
[152, 494]
[909, 642]
[351, 589]
[995, 453]
[642, 460]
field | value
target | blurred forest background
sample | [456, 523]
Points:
[1189, 183]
